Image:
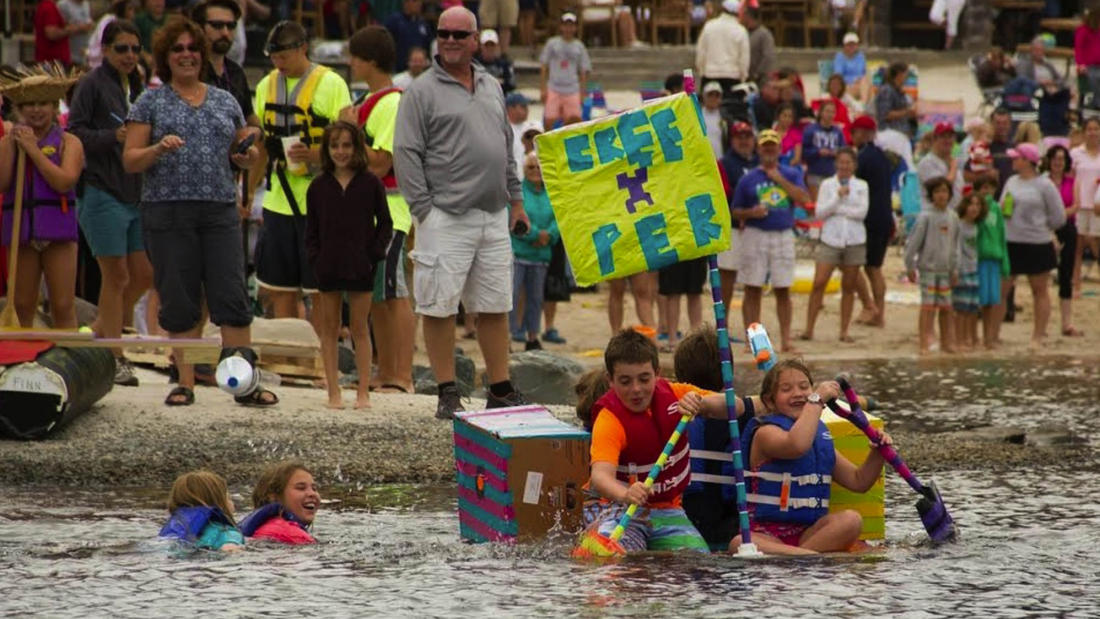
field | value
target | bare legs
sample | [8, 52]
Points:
[643, 287]
[57, 261]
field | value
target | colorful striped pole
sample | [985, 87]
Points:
[747, 548]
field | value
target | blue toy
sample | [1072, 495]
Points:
[761, 346]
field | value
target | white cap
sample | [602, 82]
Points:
[851, 37]
[710, 87]
[731, 6]
[567, 16]
[531, 125]
[489, 36]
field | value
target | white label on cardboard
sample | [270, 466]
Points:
[532, 490]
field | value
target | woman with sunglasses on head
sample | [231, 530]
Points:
[184, 137]
[108, 210]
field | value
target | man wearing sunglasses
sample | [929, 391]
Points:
[295, 102]
[219, 20]
[453, 159]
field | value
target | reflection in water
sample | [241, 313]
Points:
[1027, 547]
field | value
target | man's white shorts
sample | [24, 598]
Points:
[766, 255]
[465, 258]
[730, 260]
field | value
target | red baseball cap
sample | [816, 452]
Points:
[864, 122]
[741, 127]
[943, 128]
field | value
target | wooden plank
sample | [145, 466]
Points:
[1060, 23]
[286, 349]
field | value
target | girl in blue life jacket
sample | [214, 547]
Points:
[202, 513]
[792, 462]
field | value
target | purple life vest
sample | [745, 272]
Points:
[47, 214]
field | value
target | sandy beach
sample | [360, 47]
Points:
[132, 438]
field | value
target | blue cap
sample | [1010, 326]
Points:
[515, 98]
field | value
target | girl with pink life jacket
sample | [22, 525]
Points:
[285, 502]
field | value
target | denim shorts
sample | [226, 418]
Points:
[112, 228]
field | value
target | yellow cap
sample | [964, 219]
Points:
[768, 135]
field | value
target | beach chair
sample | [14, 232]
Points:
[650, 89]
[877, 70]
[991, 96]
[931, 112]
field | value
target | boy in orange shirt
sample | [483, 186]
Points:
[633, 421]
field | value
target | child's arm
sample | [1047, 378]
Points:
[796, 160]
[809, 150]
[604, 482]
[312, 239]
[782, 444]
[914, 245]
[860, 479]
[383, 222]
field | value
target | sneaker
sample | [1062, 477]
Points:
[553, 336]
[124, 373]
[450, 401]
[519, 336]
[532, 345]
[512, 399]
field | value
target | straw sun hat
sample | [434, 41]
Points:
[36, 83]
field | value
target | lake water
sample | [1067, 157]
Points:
[1028, 541]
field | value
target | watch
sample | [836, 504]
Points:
[814, 398]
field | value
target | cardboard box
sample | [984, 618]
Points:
[520, 471]
[853, 444]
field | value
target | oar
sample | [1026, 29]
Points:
[594, 545]
[747, 548]
[8, 318]
[933, 513]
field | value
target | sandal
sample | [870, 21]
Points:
[175, 395]
[257, 398]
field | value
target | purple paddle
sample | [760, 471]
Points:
[933, 513]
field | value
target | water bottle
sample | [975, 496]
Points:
[236, 376]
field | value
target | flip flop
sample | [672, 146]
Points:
[256, 399]
[186, 393]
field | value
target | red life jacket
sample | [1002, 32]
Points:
[646, 436]
[389, 181]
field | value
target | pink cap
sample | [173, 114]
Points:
[1025, 151]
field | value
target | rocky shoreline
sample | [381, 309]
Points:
[131, 439]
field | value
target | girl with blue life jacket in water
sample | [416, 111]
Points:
[202, 513]
[791, 464]
[286, 500]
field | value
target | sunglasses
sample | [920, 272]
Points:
[179, 48]
[222, 25]
[457, 35]
[122, 49]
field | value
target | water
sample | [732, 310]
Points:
[1028, 543]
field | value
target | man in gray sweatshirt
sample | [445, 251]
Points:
[452, 157]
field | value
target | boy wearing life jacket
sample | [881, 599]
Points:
[295, 102]
[632, 423]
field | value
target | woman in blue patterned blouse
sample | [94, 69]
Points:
[184, 138]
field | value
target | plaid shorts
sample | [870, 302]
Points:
[964, 296]
[935, 290]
